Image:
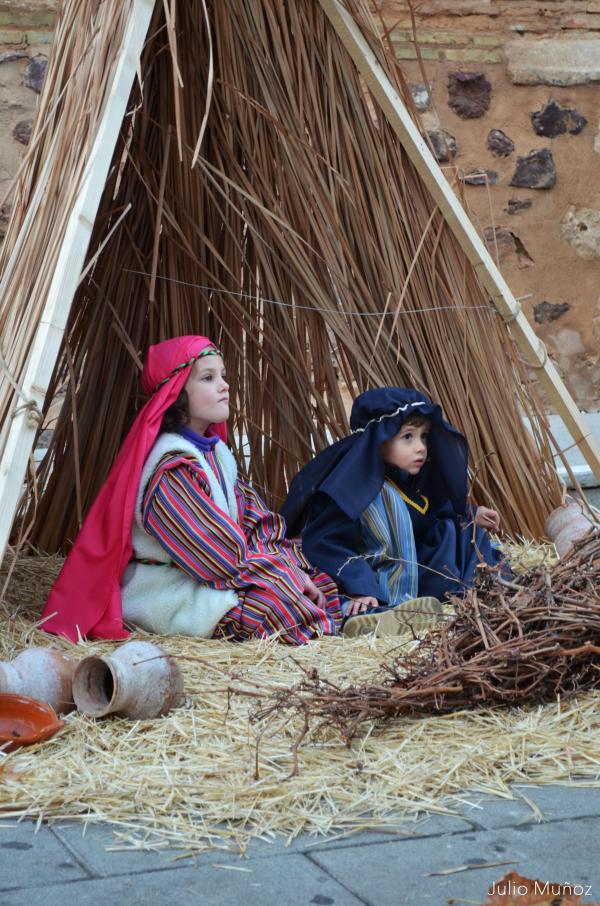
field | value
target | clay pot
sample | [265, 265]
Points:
[566, 525]
[25, 721]
[138, 681]
[41, 673]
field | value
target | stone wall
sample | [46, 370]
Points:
[514, 94]
[26, 32]
[515, 106]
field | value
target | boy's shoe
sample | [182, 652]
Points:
[410, 618]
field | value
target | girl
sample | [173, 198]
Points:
[385, 512]
[176, 542]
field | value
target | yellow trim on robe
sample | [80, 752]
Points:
[421, 509]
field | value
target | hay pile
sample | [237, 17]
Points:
[189, 780]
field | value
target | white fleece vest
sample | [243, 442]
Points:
[164, 599]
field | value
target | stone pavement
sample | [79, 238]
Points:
[558, 840]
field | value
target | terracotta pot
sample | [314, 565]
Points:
[566, 525]
[24, 721]
[41, 673]
[138, 681]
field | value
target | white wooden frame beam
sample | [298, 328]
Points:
[50, 332]
[418, 151]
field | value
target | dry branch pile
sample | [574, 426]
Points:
[510, 642]
[296, 233]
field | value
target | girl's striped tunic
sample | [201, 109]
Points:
[251, 556]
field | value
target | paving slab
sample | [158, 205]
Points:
[286, 881]
[27, 856]
[426, 826]
[559, 801]
[90, 844]
[405, 871]
[486, 812]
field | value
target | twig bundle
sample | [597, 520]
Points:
[296, 233]
[511, 643]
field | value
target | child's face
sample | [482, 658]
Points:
[408, 448]
[208, 393]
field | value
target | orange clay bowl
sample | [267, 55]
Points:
[24, 721]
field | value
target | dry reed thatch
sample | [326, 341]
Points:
[189, 780]
[296, 233]
[512, 642]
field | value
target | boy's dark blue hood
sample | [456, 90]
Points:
[352, 471]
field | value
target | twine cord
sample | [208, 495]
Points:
[329, 311]
[34, 414]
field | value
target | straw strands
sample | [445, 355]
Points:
[50, 179]
[189, 780]
[297, 192]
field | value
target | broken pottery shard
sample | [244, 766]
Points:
[517, 204]
[536, 171]
[421, 95]
[549, 311]
[443, 144]
[581, 227]
[553, 120]
[22, 131]
[480, 178]
[34, 74]
[499, 143]
[469, 93]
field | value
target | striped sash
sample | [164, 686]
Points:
[390, 545]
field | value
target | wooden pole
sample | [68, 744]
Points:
[530, 345]
[49, 334]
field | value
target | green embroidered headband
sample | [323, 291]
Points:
[211, 351]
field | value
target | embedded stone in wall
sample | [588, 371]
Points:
[469, 93]
[545, 312]
[504, 243]
[553, 120]
[34, 74]
[597, 141]
[443, 144]
[581, 227]
[5, 210]
[421, 95]
[517, 204]
[536, 171]
[480, 178]
[9, 56]
[596, 323]
[499, 143]
[22, 131]
[546, 61]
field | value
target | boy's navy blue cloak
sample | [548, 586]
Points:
[329, 495]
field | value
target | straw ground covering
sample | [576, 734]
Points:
[196, 778]
[257, 195]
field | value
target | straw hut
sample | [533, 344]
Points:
[255, 172]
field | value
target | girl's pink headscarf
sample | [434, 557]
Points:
[86, 598]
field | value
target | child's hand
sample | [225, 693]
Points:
[312, 592]
[487, 519]
[360, 605]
